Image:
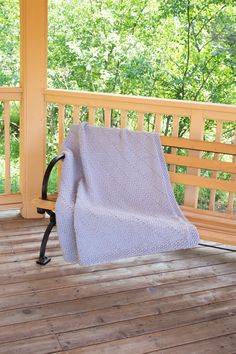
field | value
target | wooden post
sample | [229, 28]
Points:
[33, 38]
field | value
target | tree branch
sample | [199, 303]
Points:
[210, 40]
[139, 15]
[116, 76]
[203, 83]
[211, 18]
[188, 50]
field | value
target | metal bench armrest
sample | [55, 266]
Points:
[44, 193]
[48, 173]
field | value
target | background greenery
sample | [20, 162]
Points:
[179, 49]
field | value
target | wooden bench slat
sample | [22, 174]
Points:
[191, 161]
[198, 145]
[44, 204]
[212, 183]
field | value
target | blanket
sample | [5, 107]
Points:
[115, 198]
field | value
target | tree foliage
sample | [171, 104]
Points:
[181, 49]
[9, 42]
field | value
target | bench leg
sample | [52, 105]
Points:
[43, 260]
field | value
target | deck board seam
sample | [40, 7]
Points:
[112, 293]
[47, 321]
[153, 333]
[119, 279]
[183, 345]
[154, 272]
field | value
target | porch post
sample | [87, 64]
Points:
[33, 37]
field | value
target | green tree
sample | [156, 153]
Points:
[10, 43]
[166, 48]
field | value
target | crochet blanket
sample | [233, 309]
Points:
[115, 199]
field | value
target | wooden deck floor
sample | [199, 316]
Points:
[173, 303]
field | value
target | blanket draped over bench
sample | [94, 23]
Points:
[115, 198]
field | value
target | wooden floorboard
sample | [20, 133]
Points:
[174, 302]
[219, 345]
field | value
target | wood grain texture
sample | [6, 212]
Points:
[163, 339]
[219, 345]
[173, 302]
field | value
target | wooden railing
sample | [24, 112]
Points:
[156, 115]
[181, 124]
[8, 199]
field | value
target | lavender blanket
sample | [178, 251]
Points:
[115, 198]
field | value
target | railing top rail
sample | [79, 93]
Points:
[5, 89]
[51, 95]
[10, 93]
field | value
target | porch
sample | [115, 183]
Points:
[176, 302]
[195, 163]
[198, 161]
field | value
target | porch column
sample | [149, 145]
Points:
[33, 37]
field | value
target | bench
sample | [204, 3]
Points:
[212, 225]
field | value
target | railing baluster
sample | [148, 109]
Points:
[9, 199]
[123, 119]
[175, 134]
[196, 132]
[76, 110]
[140, 121]
[107, 113]
[61, 117]
[230, 207]
[7, 147]
[157, 126]
[214, 173]
[92, 113]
